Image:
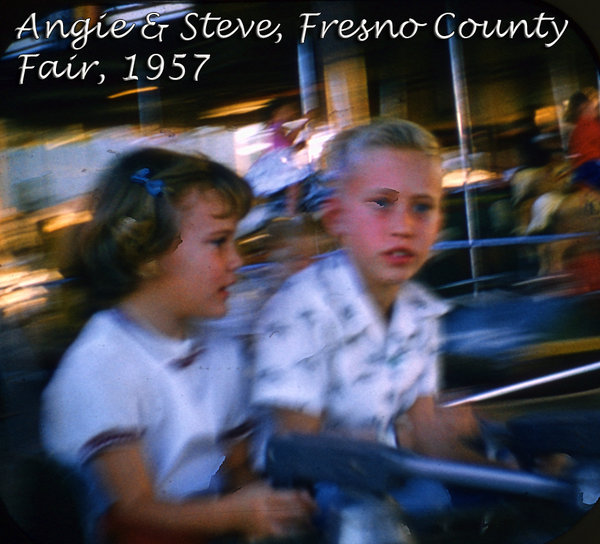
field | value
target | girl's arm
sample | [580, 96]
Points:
[237, 470]
[254, 511]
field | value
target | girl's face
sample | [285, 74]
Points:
[196, 275]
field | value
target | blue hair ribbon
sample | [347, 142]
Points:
[154, 187]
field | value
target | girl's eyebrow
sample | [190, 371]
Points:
[220, 232]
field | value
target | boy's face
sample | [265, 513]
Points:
[196, 275]
[387, 215]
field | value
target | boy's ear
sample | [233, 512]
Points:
[441, 221]
[331, 215]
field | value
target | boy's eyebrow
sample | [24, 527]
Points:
[386, 191]
[393, 193]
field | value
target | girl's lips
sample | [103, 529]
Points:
[224, 291]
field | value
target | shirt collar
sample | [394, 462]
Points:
[177, 353]
[358, 311]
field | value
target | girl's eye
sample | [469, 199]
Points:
[219, 242]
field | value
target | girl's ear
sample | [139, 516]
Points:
[331, 215]
[149, 270]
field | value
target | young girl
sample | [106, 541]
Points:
[149, 402]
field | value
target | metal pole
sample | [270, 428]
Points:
[463, 121]
[307, 77]
[527, 384]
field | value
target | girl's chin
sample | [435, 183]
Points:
[215, 311]
[218, 311]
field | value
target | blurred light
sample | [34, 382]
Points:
[11, 278]
[251, 149]
[58, 142]
[253, 239]
[316, 142]
[66, 220]
[237, 109]
[133, 91]
[456, 178]
[22, 301]
[21, 280]
[24, 291]
[546, 116]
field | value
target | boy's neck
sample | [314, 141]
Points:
[384, 299]
[384, 296]
[385, 304]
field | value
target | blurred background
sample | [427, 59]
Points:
[525, 331]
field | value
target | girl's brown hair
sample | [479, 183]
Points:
[135, 215]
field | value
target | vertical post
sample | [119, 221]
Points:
[344, 73]
[307, 78]
[463, 121]
[346, 91]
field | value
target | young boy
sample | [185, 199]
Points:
[350, 344]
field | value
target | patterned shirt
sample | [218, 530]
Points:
[323, 348]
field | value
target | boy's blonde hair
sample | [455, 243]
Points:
[343, 149]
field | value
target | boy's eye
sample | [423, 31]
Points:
[422, 207]
[382, 202]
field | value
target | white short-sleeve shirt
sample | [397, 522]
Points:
[183, 399]
[323, 348]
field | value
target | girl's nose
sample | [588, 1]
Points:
[234, 259]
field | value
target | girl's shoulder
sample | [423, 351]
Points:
[99, 360]
[100, 328]
[102, 343]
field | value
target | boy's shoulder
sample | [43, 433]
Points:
[330, 273]
[422, 300]
[309, 290]
[332, 281]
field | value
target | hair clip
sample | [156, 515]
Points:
[154, 187]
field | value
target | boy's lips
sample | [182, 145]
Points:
[399, 256]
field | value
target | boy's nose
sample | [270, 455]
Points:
[402, 222]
